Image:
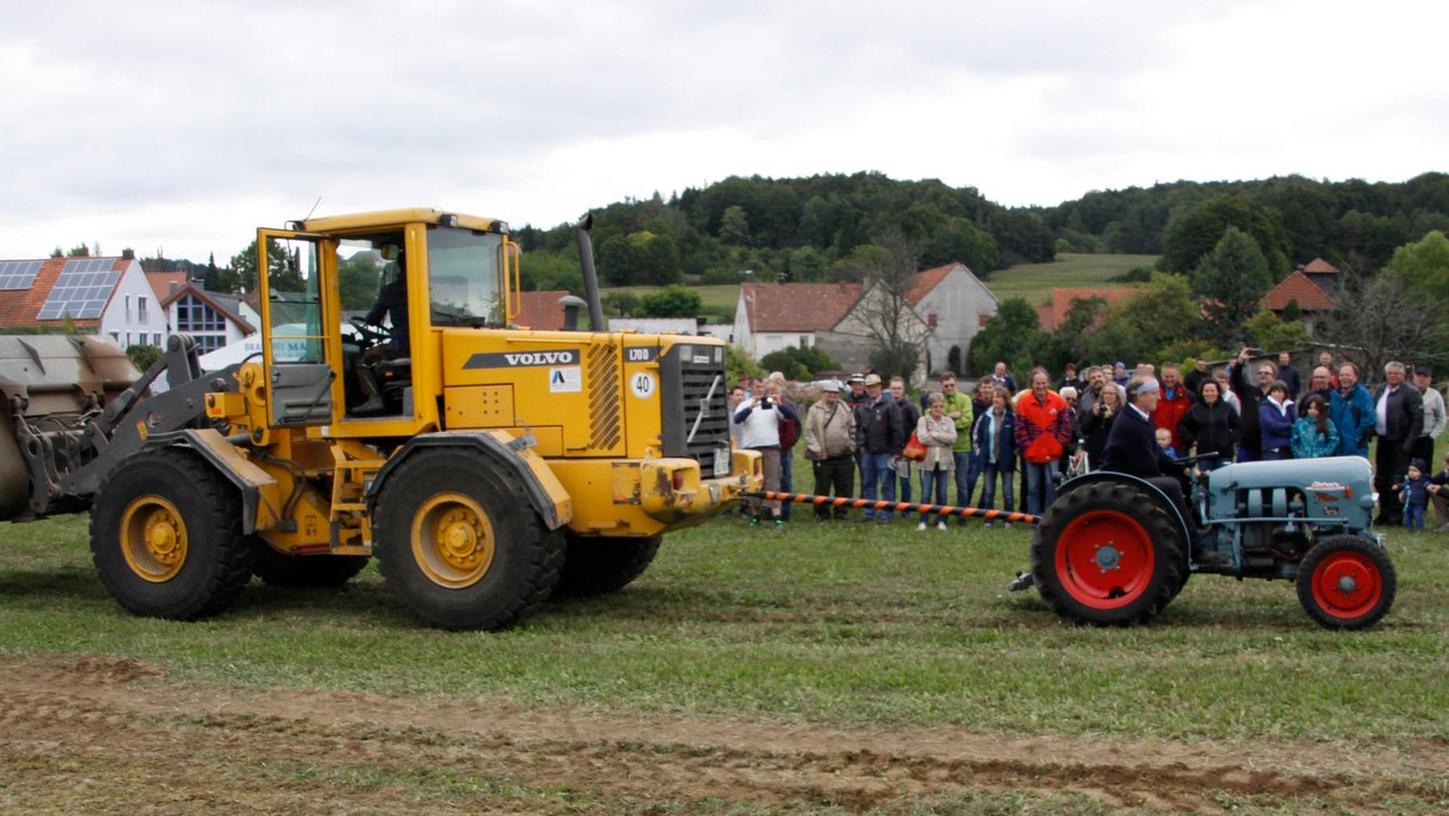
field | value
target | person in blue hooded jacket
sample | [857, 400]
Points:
[1351, 408]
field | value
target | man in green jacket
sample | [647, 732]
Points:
[958, 408]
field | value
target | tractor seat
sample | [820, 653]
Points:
[390, 372]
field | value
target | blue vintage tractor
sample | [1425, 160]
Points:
[1114, 549]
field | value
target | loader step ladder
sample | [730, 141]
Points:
[354, 467]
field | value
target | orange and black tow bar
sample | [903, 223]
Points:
[896, 507]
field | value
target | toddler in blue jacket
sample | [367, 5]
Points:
[1415, 489]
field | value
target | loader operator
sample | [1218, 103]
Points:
[392, 303]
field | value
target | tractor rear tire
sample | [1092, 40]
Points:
[1346, 582]
[1107, 554]
[598, 566]
[166, 536]
[303, 571]
[459, 543]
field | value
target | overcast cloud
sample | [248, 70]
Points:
[185, 126]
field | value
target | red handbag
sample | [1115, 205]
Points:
[914, 450]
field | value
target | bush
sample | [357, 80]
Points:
[738, 365]
[672, 301]
[798, 364]
[143, 356]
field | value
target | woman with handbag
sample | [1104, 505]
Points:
[937, 432]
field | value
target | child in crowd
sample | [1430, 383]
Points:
[1415, 489]
[1164, 440]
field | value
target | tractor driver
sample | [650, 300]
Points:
[392, 302]
[1132, 443]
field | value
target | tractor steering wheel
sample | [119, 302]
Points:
[372, 335]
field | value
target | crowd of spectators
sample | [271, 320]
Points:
[1018, 444]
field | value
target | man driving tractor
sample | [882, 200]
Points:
[392, 303]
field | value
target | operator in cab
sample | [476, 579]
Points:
[392, 303]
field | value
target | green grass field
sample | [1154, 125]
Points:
[1035, 281]
[847, 628]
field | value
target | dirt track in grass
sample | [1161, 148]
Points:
[112, 735]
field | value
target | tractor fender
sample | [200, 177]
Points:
[514, 455]
[1189, 536]
[258, 488]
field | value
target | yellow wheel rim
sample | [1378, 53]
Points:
[153, 538]
[453, 540]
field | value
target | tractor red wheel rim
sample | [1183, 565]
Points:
[1347, 585]
[1105, 559]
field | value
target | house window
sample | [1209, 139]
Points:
[195, 317]
[156, 340]
[141, 310]
[804, 341]
[116, 336]
[128, 339]
[128, 308]
[931, 320]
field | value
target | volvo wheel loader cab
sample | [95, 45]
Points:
[483, 463]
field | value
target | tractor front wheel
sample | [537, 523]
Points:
[1107, 554]
[166, 536]
[598, 566]
[459, 544]
[1346, 582]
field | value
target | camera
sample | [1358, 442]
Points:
[766, 402]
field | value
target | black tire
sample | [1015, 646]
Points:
[132, 520]
[598, 566]
[1107, 554]
[303, 571]
[1346, 582]
[472, 584]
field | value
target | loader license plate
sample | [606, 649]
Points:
[722, 462]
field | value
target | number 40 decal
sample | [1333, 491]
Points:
[642, 385]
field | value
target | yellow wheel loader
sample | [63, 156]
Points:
[484, 464]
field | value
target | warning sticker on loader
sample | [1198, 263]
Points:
[564, 380]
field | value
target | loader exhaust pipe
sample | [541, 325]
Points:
[591, 277]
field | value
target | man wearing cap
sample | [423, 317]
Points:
[856, 397]
[1434, 418]
[880, 435]
[830, 447]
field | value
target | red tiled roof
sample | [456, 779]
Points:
[1298, 287]
[541, 311]
[802, 307]
[1060, 302]
[925, 280]
[1318, 266]
[18, 307]
[161, 282]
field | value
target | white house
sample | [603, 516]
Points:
[954, 305]
[98, 295]
[213, 319]
[773, 316]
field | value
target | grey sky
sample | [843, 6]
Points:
[185, 126]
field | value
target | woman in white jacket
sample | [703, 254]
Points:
[937, 432]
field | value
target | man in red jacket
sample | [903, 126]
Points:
[1043, 430]
[1173, 405]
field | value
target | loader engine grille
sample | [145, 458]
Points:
[696, 421]
[604, 425]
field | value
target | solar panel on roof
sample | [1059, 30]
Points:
[18, 274]
[81, 291]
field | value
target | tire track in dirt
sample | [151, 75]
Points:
[102, 707]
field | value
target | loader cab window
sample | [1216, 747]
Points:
[463, 277]
[296, 303]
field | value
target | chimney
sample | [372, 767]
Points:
[128, 254]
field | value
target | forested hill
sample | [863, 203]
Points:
[822, 227]
[1354, 224]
